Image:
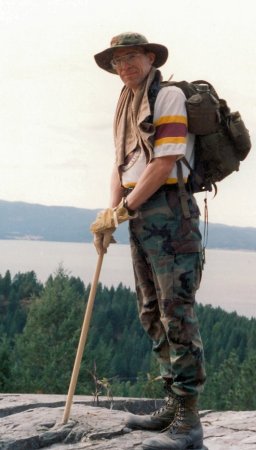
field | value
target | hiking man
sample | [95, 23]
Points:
[149, 188]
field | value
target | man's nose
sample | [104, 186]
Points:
[124, 63]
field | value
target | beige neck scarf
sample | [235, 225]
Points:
[130, 128]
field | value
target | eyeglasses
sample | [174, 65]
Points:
[129, 59]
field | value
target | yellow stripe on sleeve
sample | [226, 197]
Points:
[171, 119]
[170, 140]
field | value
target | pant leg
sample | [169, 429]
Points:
[181, 324]
[148, 307]
[167, 246]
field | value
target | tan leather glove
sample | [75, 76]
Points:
[106, 222]
[102, 240]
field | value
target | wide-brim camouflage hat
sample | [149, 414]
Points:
[103, 59]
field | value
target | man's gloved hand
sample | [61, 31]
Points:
[105, 224]
[102, 240]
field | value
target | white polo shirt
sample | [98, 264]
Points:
[171, 137]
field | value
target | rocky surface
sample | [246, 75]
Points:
[35, 421]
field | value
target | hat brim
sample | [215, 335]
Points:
[103, 59]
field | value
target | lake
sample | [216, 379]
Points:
[228, 277]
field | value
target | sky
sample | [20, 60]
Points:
[57, 105]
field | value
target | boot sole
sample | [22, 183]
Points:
[200, 447]
[193, 447]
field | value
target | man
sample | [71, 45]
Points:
[149, 188]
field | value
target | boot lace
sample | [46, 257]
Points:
[186, 416]
[178, 425]
[164, 408]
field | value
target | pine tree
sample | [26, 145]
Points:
[45, 352]
[5, 364]
[245, 387]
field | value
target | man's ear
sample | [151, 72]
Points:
[151, 57]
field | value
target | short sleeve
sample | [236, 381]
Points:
[170, 120]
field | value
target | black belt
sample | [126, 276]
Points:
[164, 188]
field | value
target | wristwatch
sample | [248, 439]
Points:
[130, 211]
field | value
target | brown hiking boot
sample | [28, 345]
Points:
[158, 420]
[184, 433]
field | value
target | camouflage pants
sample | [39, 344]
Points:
[166, 255]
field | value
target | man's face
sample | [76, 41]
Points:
[132, 65]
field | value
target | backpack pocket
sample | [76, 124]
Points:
[203, 113]
[217, 154]
[239, 135]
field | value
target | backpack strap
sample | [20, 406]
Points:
[184, 204]
[198, 179]
[182, 191]
[206, 229]
[186, 163]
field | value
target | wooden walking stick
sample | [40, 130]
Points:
[82, 341]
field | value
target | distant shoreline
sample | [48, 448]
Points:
[27, 239]
[227, 281]
[33, 222]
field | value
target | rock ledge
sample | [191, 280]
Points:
[33, 421]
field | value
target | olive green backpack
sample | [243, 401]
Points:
[221, 139]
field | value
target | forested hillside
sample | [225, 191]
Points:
[40, 327]
[67, 224]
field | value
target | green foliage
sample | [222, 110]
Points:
[113, 339]
[230, 350]
[232, 386]
[40, 328]
[5, 364]
[15, 297]
[44, 352]
[245, 387]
